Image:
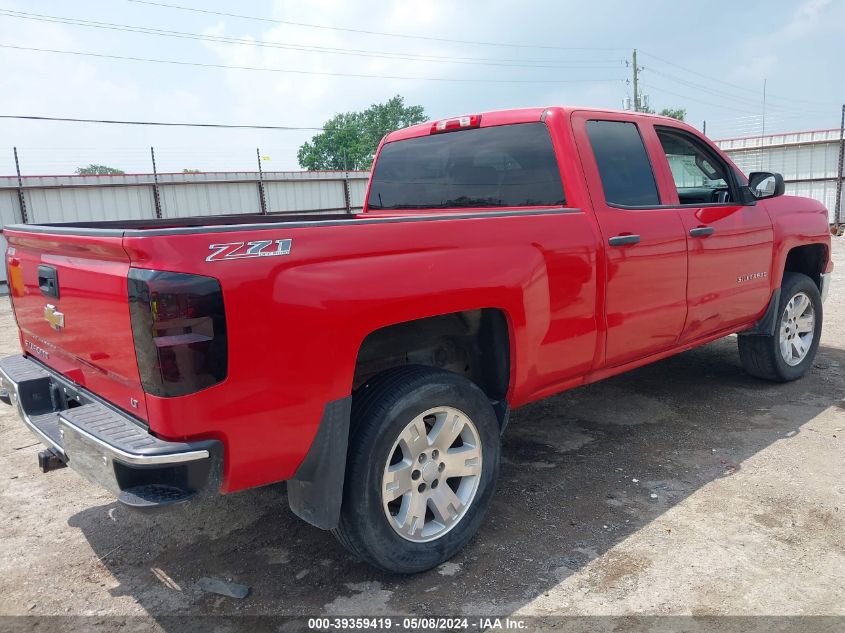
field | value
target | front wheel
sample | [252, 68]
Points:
[422, 467]
[788, 354]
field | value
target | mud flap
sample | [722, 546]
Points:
[766, 325]
[315, 493]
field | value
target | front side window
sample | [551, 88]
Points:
[624, 167]
[502, 166]
[699, 176]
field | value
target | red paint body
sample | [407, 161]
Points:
[578, 311]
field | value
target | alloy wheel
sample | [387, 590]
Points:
[431, 474]
[797, 327]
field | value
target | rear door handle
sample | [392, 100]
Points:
[702, 231]
[623, 240]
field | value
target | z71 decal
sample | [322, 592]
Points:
[242, 250]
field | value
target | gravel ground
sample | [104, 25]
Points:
[682, 488]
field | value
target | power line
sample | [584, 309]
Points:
[783, 115]
[177, 62]
[721, 81]
[143, 30]
[366, 32]
[747, 101]
[165, 123]
[710, 103]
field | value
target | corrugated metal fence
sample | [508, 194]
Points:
[43, 199]
[808, 161]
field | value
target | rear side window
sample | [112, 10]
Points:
[624, 167]
[503, 166]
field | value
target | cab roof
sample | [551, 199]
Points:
[511, 116]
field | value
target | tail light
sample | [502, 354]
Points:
[14, 277]
[179, 327]
[458, 123]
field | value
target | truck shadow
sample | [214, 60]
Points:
[581, 472]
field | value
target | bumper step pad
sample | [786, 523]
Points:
[151, 497]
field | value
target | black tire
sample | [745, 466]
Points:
[761, 356]
[381, 410]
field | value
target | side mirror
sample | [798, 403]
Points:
[766, 184]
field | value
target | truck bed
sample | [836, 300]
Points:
[249, 222]
[121, 228]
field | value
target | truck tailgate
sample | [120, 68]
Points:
[69, 294]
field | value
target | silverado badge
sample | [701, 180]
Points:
[751, 277]
[55, 318]
[241, 250]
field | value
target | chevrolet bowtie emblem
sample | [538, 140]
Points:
[55, 318]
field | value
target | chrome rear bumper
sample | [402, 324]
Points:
[104, 444]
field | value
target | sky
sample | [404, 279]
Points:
[452, 58]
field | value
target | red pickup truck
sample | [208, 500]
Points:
[371, 360]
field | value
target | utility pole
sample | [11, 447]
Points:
[636, 70]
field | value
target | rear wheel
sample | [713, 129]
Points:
[788, 354]
[422, 467]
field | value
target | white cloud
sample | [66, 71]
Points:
[767, 50]
[805, 20]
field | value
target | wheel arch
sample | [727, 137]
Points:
[476, 343]
[807, 259]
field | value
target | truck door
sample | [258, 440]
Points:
[644, 243]
[729, 245]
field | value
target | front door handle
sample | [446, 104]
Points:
[702, 231]
[623, 240]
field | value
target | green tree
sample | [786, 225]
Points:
[349, 139]
[190, 171]
[675, 113]
[93, 170]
